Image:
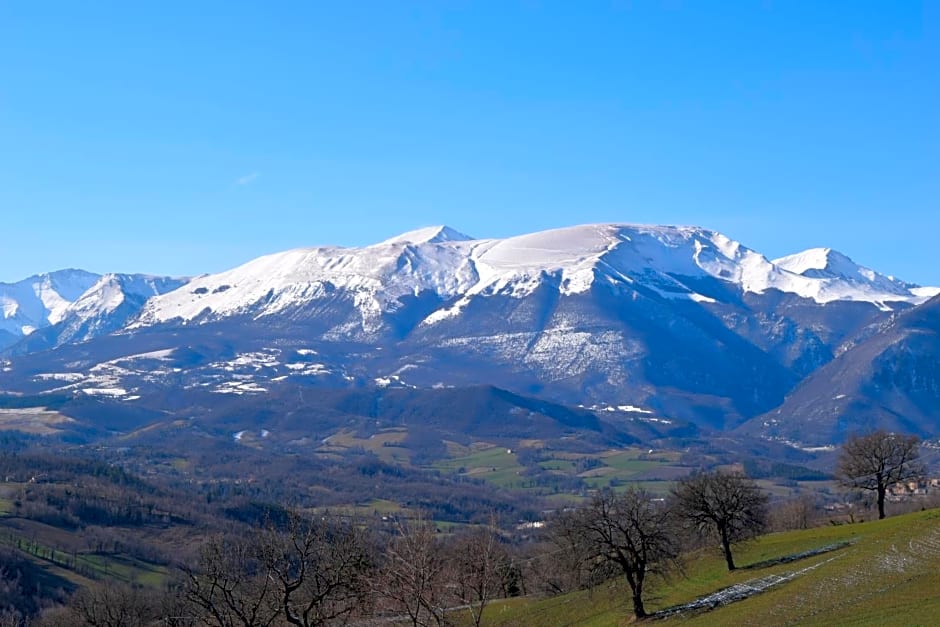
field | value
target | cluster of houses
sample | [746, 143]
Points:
[906, 489]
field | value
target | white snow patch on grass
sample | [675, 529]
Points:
[161, 355]
[622, 408]
[239, 387]
[70, 377]
[105, 391]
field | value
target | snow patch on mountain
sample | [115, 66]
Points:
[925, 293]
[239, 388]
[158, 355]
[113, 392]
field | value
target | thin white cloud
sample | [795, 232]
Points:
[247, 179]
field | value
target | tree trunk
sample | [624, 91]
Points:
[636, 586]
[638, 610]
[726, 546]
[881, 501]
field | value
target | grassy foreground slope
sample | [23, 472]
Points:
[889, 574]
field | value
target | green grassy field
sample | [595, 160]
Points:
[39, 544]
[494, 464]
[618, 467]
[500, 466]
[888, 575]
[386, 444]
[124, 569]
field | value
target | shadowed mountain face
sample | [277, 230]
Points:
[890, 379]
[680, 322]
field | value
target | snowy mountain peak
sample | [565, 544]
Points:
[103, 307]
[631, 254]
[830, 265]
[428, 235]
[39, 300]
[112, 290]
[375, 277]
[820, 263]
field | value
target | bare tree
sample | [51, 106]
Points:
[230, 586]
[796, 513]
[412, 579]
[479, 562]
[561, 563]
[313, 572]
[112, 605]
[630, 532]
[875, 461]
[319, 569]
[175, 609]
[727, 503]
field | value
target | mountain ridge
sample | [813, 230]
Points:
[442, 260]
[680, 321]
[452, 266]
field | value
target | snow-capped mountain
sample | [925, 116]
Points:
[439, 261]
[682, 322]
[840, 278]
[39, 301]
[112, 292]
[74, 306]
[103, 308]
[374, 278]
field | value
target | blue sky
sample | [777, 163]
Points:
[180, 138]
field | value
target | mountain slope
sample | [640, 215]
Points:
[39, 301]
[360, 285]
[877, 573]
[889, 380]
[103, 308]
